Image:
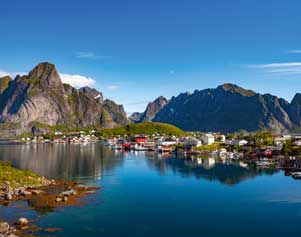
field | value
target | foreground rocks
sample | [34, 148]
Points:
[9, 193]
[37, 193]
[7, 230]
[54, 194]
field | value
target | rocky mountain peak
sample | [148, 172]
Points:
[46, 72]
[236, 89]
[92, 93]
[297, 99]
[153, 108]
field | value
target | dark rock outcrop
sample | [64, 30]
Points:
[295, 110]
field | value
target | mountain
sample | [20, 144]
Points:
[230, 108]
[295, 110]
[114, 111]
[150, 112]
[135, 117]
[4, 81]
[92, 93]
[40, 99]
[153, 108]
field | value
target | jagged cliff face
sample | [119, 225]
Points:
[153, 108]
[113, 113]
[116, 111]
[295, 110]
[230, 108]
[92, 93]
[41, 97]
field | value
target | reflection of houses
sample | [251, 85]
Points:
[207, 139]
[208, 163]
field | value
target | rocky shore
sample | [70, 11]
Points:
[39, 193]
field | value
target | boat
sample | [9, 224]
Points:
[263, 164]
[296, 175]
[139, 147]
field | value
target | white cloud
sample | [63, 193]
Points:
[77, 80]
[286, 68]
[89, 55]
[11, 74]
[277, 65]
[113, 87]
[4, 73]
[294, 51]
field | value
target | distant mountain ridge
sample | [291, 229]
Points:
[229, 108]
[41, 98]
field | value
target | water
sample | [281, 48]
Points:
[147, 195]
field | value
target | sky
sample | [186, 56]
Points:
[136, 50]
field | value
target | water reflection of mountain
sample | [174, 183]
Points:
[207, 168]
[63, 160]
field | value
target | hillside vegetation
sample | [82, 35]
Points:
[146, 128]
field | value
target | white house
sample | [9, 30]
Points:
[239, 142]
[208, 139]
[297, 143]
[168, 143]
[281, 139]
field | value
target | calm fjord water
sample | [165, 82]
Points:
[143, 194]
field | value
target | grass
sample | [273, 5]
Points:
[210, 148]
[18, 178]
[9, 125]
[147, 128]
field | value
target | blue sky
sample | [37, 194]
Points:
[136, 50]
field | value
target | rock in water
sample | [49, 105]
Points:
[23, 221]
[4, 227]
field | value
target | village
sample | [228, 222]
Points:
[261, 149]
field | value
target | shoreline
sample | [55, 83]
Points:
[46, 195]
